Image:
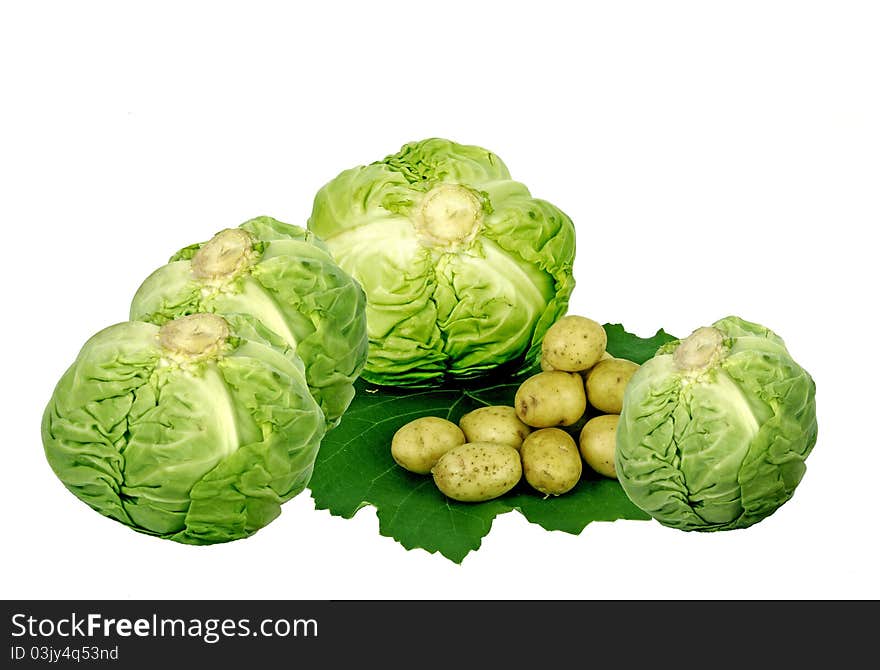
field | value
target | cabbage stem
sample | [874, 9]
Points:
[700, 351]
[449, 218]
[194, 337]
[224, 255]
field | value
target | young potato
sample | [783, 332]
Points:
[477, 471]
[606, 383]
[545, 366]
[498, 424]
[597, 444]
[573, 344]
[418, 445]
[553, 398]
[551, 462]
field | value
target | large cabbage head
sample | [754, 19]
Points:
[464, 270]
[282, 278]
[715, 428]
[185, 431]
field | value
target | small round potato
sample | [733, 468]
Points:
[606, 383]
[477, 471]
[418, 445]
[551, 462]
[551, 398]
[597, 444]
[497, 423]
[574, 344]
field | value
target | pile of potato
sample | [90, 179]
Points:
[578, 393]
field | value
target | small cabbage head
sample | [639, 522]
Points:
[463, 269]
[715, 428]
[282, 279]
[185, 431]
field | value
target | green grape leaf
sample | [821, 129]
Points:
[354, 466]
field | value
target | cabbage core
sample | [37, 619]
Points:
[194, 337]
[449, 218]
[700, 351]
[225, 255]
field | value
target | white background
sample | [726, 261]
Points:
[718, 158]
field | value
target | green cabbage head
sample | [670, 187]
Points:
[283, 278]
[463, 269]
[715, 428]
[185, 431]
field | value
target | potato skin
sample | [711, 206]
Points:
[551, 462]
[418, 445]
[598, 442]
[573, 344]
[477, 471]
[552, 398]
[497, 423]
[607, 381]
